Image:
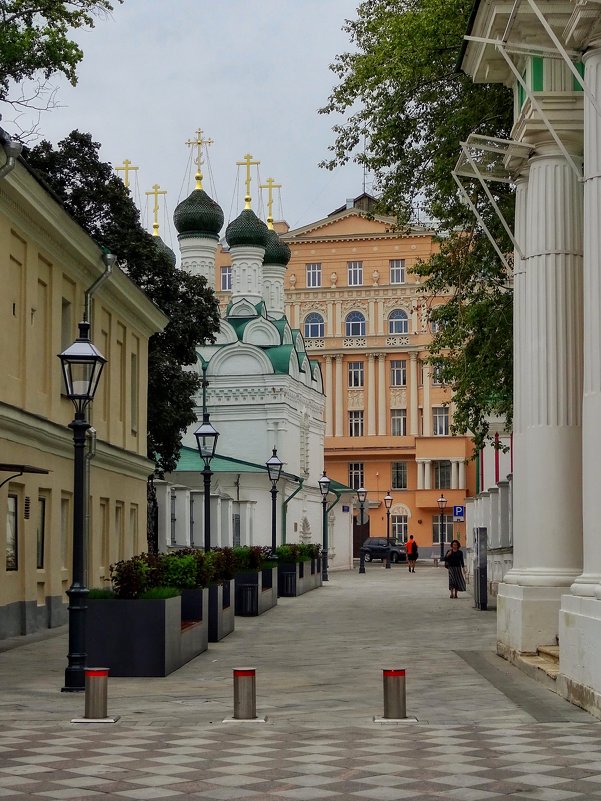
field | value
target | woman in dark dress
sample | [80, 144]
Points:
[453, 560]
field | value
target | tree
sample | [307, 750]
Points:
[406, 109]
[97, 199]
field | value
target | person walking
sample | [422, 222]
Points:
[453, 561]
[411, 553]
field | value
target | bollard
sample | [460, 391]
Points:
[361, 561]
[395, 706]
[96, 697]
[245, 694]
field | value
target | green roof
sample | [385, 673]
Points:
[190, 461]
[336, 486]
[279, 356]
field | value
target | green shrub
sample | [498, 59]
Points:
[178, 570]
[131, 577]
[298, 552]
[158, 593]
[224, 564]
[95, 593]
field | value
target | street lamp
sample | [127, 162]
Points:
[82, 366]
[361, 495]
[324, 488]
[274, 470]
[206, 440]
[388, 504]
[442, 502]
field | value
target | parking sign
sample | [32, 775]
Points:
[458, 514]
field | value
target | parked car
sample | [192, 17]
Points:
[376, 548]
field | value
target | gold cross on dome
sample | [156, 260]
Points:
[156, 191]
[270, 185]
[198, 144]
[247, 160]
[126, 167]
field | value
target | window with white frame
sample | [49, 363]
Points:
[355, 475]
[398, 526]
[355, 324]
[437, 374]
[313, 273]
[399, 475]
[440, 421]
[397, 271]
[356, 376]
[226, 278]
[447, 528]
[314, 326]
[398, 422]
[355, 273]
[355, 423]
[441, 469]
[398, 373]
[398, 322]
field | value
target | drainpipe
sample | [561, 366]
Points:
[109, 260]
[13, 149]
[90, 454]
[285, 507]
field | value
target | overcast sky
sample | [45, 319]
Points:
[250, 73]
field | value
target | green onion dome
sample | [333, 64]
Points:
[198, 215]
[247, 229]
[166, 250]
[276, 251]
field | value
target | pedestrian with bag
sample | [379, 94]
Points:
[411, 553]
[453, 561]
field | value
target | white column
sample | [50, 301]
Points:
[273, 289]
[413, 411]
[371, 395]
[339, 410]
[427, 474]
[247, 273]
[198, 256]
[371, 318]
[420, 473]
[329, 397]
[547, 542]
[382, 394]
[462, 474]
[338, 319]
[454, 474]
[427, 432]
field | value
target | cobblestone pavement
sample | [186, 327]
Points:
[482, 730]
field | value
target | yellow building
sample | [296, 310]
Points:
[48, 266]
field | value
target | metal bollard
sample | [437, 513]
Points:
[245, 694]
[96, 697]
[361, 561]
[395, 706]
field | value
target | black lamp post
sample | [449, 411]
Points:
[361, 495]
[324, 488]
[274, 470]
[206, 440]
[82, 366]
[388, 504]
[442, 503]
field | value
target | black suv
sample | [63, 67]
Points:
[375, 548]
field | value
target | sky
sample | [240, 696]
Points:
[251, 74]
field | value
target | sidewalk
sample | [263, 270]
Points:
[483, 730]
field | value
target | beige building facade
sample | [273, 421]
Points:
[47, 266]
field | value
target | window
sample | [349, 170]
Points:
[447, 528]
[440, 421]
[12, 534]
[134, 398]
[41, 533]
[355, 475]
[355, 374]
[437, 374]
[355, 424]
[397, 271]
[398, 526]
[442, 474]
[313, 272]
[355, 324]
[398, 373]
[355, 273]
[398, 322]
[314, 326]
[226, 279]
[398, 422]
[399, 475]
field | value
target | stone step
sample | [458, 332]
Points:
[549, 652]
[537, 663]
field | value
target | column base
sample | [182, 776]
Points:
[579, 678]
[527, 617]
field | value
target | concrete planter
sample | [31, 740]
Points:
[221, 610]
[256, 591]
[146, 638]
[296, 578]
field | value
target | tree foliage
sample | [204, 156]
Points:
[35, 39]
[406, 108]
[97, 199]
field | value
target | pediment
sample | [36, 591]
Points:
[348, 223]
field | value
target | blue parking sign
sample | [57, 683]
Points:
[458, 513]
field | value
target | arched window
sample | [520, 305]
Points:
[314, 327]
[398, 322]
[355, 324]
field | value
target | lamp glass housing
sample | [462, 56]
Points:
[442, 502]
[324, 484]
[82, 365]
[206, 440]
[388, 500]
[362, 494]
[274, 467]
